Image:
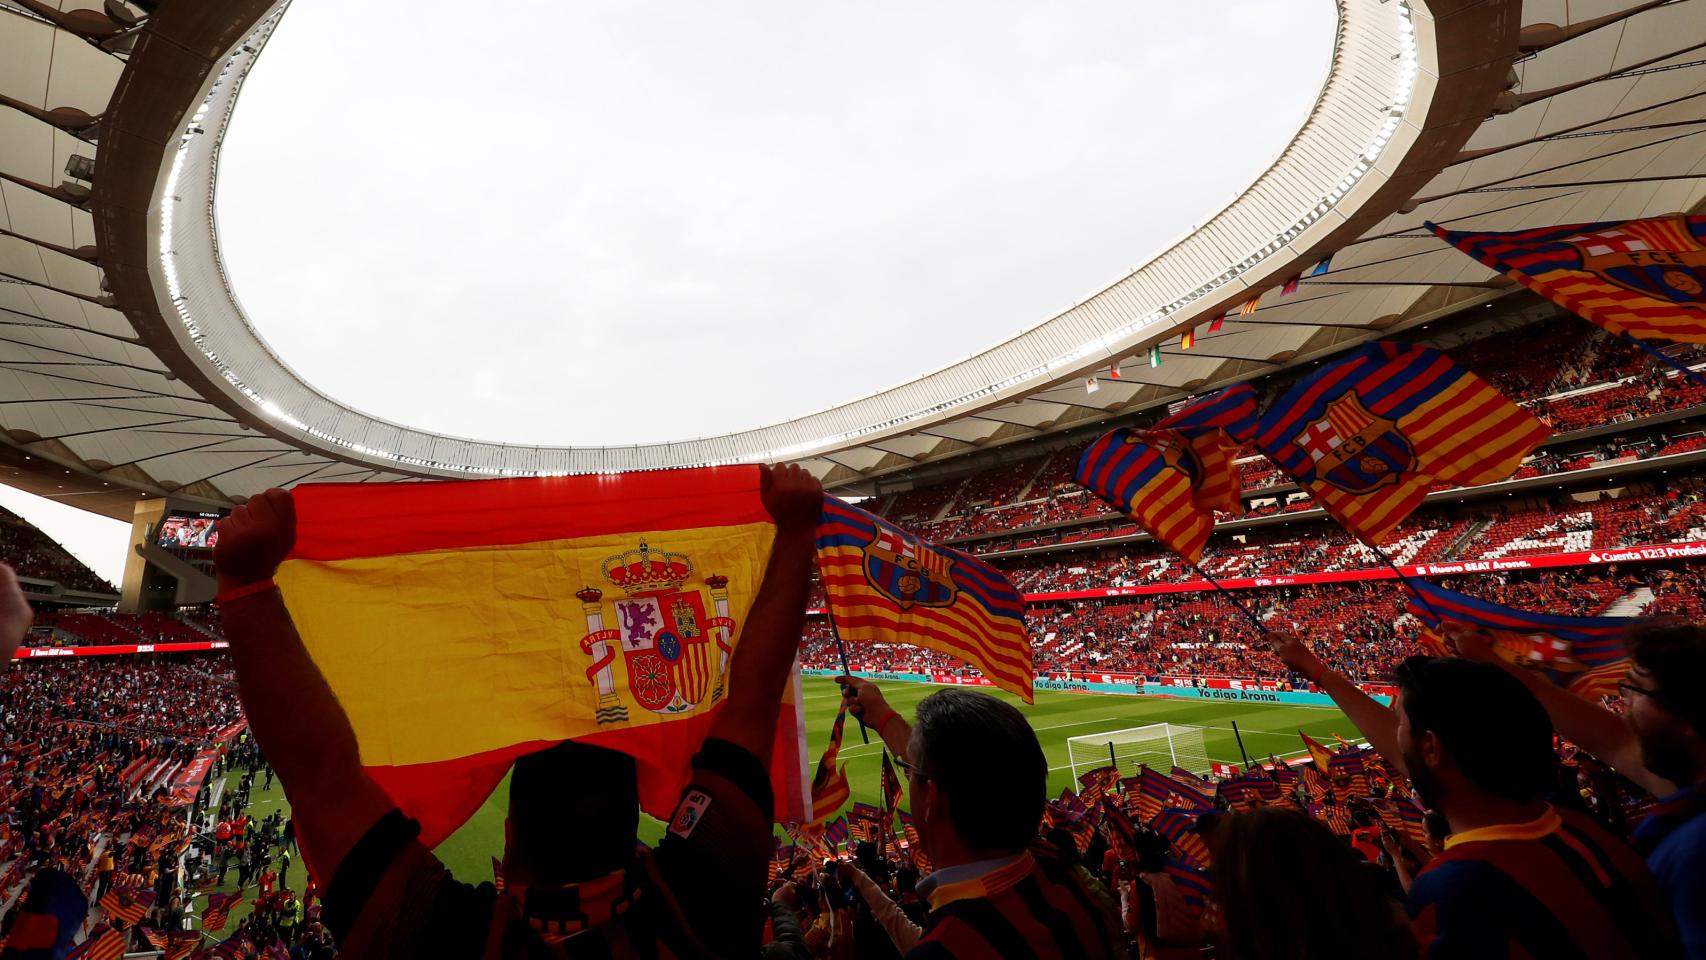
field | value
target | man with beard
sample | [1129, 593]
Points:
[1659, 743]
[1518, 876]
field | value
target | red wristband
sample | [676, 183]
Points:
[246, 590]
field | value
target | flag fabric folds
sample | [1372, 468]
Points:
[891, 790]
[1367, 434]
[102, 943]
[464, 624]
[1193, 884]
[219, 907]
[1188, 339]
[886, 585]
[1644, 278]
[1178, 826]
[1582, 654]
[1150, 477]
[829, 786]
[1321, 755]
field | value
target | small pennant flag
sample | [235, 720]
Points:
[1189, 339]
[1218, 322]
[1114, 371]
[1291, 285]
[1322, 267]
[1091, 385]
[1249, 306]
[1155, 355]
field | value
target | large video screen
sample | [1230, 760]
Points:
[192, 532]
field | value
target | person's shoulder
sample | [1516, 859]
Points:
[1456, 875]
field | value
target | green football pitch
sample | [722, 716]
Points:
[1266, 728]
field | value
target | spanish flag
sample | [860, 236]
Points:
[1368, 433]
[1644, 278]
[464, 624]
[887, 586]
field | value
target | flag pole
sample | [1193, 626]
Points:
[1666, 358]
[1405, 580]
[841, 651]
[1241, 751]
[1230, 598]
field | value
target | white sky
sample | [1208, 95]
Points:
[617, 222]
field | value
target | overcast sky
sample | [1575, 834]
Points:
[603, 222]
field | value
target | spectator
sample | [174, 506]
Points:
[976, 782]
[571, 862]
[1289, 890]
[1659, 743]
[1518, 876]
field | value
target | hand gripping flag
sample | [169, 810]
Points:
[464, 624]
[1366, 434]
[886, 585]
[1582, 654]
[829, 786]
[1643, 278]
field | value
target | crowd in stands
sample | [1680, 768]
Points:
[34, 554]
[83, 628]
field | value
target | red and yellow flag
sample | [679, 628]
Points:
[886, 585]
[462, 625]
[1645, 278]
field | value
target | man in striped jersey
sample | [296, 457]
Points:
[1519, 877]
[976, 786]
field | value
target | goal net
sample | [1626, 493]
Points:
[1159, 745]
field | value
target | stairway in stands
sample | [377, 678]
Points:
[1632, 604]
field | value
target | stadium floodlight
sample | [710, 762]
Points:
[1160, 745]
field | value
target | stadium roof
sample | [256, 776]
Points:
[128, 368]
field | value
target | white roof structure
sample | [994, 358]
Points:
[128, 367]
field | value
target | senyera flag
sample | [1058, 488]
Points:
[1171, 478]
[464, 624]
[1367, 434]
[1644, 278]
[885, 585]
[1582, 654]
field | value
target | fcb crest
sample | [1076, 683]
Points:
[1175, 451]
[1658, 258]
[907, 572]
[1355, 450]
[675, 649]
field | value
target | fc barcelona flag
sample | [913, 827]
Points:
[1212, 425]
[1644, 278]
[1368, 433]
[1150, 476]
[1582, 654]
[464, 624]
[829, 786]
[886, 585]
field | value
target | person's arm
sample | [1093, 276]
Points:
[902, 931]
[1376, 722]
[296, 719]
[15, 615]
[1395, 852]
[865, 702]
[1598, 731]
[759, 666]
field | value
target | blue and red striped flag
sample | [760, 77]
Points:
[1178, 826]
[836, 831]
[829, 786]
[219, 907]
[1197, 793]
[887, 585]
[1642, 278]
[1582, 654]
[1193, 884]
[1172, 478]
[102, 943]
[1096, 783]
[1368, 433]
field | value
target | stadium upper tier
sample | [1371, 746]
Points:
[130, 369]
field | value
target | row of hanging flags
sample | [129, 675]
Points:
[1367, 434]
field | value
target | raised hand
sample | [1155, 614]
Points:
[15, 615]
[255, 539]
[792, 495]
[1294, 653]
[865, 702]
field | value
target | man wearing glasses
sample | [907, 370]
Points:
[1659, 743]
[976, 785]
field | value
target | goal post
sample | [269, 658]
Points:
[1160, 745]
